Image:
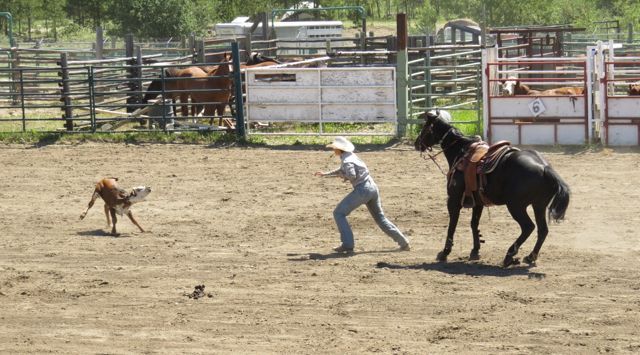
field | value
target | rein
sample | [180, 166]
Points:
[433, 157]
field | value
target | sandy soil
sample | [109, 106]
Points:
[255, 227]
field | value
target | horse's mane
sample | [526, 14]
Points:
[257, 58]
[153, 90]
[457, 132]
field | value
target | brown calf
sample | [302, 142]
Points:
[117, 200]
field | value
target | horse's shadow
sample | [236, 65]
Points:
[100, 233]
[465, 268]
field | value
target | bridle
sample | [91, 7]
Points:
[432, 157]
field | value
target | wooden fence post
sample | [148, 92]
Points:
[99, 43]
[237, 80]
[132, 98]
[99, 52]
[247, 47]
[138, 69]
[66, 92]
[391, 47]
[128, 45]
[363, 47]
[200, 52]
[192, 47]
[183, 44]
[15, 64]
[401, 74]
[264, 20]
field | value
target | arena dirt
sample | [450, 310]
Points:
[255, 227]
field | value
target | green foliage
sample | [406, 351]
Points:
[160, 18]
[627, 11]
[170, 18]
[426, 18]
[86, 12]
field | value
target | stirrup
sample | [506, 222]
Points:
[468, 202]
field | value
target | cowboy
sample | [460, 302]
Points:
[365, 192]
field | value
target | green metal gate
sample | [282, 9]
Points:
[448, 78]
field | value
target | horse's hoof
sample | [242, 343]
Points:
[442, 256]
[475, 255]
[530, 259]
[509, 260]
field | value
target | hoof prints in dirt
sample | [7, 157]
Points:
[198, 292]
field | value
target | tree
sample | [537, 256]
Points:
[53, 12]
[160, 18]
[426, 18]
[81, 11]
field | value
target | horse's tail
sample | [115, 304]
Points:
[560, 201]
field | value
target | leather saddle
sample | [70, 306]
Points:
[479, 160]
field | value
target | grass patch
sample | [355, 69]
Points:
[40, 138]
[464, 120]
[316, 140]
[221, 138]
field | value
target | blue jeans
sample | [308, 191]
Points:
[365, 193]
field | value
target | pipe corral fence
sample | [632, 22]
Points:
[102, 95]
[541, 117]
[617, 110]
[101, 86]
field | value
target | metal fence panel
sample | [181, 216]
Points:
[322, 95]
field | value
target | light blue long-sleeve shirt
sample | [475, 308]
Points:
[352, 169]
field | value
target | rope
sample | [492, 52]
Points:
[433, 158]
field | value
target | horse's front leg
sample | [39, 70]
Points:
[453, 205]
[475, 223]
[184, 103]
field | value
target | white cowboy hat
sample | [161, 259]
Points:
[341, 143]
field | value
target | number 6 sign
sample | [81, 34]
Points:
[537, 107]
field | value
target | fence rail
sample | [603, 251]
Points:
[447, 77]
[109, 95]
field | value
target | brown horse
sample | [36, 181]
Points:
[513, 86]
[213, 92]
[178, 84]
[634, 89]
[569, 90]
[255, 60]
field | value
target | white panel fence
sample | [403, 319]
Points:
[322, 95]
[605, 112]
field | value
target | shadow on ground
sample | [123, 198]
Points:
[466, 268]
[100, 233]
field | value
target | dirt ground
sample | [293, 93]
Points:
[255, 227]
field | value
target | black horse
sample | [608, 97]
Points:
[520, 179]
[257, 58]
